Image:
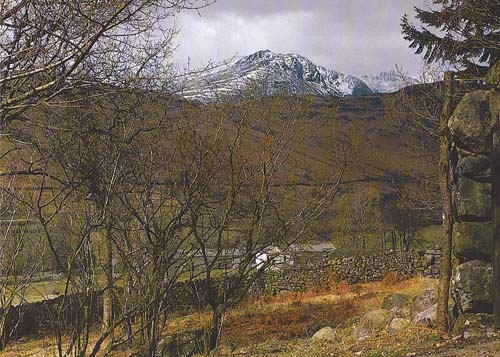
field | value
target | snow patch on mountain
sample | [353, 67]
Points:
[388, 82]
[268, 73]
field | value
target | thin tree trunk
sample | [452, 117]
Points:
[215, 327]
[495, 161]
[446, 197]
[107, 313]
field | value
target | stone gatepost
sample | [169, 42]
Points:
[471, 126]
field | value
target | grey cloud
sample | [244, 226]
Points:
[351, 36]
[249, 8]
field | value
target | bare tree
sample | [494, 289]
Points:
[238, 188]
[50, 48]
[15, 271]
[358, 220]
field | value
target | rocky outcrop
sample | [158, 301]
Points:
[424, 301]
[395, 300]
[397, 312]
[426, 316]
[399, 324]
[371, 322]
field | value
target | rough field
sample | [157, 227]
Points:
[283, 326]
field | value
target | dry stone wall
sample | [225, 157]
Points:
[352, 270]
[42, 317]
[471, 127]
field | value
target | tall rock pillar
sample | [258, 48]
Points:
[472, 125]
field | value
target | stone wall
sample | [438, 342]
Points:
[352, 270]
[41, 317]
[471, 127]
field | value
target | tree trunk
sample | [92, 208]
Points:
[107, 254]
[446, 197]
[495, 162]
[215, 328]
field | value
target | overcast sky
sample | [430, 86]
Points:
[351, 36]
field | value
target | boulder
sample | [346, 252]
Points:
[472, 286]
[398, 312]
[423, 301]
[395, 300]
[471, 122]
[325, 334]
[475, 167]
[372, 321]
[399, 324]
[426, 316]
[473, 200]
[473, 240]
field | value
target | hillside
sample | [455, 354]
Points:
[386, 151]
[283, 325]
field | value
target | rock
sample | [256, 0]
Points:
[426, 316]
[423, 301]
[493, 75]
[372, 321]
[473, 200]
[225, 351]
[399, 324]
[473, 240]
[472, 285]
[428, 260]
[471, 122]
[398, 312]
[395, 300]
[325, 334]
[477, 168]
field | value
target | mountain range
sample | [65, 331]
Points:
[267, 73]
[388, 82]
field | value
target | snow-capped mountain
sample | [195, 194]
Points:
[267, 73]
[388, 82]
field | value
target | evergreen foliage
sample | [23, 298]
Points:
[462, 32]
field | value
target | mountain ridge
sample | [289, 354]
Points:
[388, 81]
[269, 73]
[266, 73]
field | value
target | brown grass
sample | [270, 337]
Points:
[293, 316]
[296, 319]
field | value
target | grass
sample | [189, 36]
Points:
[282, 325]
[50, 289]
[430, 235]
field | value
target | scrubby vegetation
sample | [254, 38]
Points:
[283, 326]
[113, 189]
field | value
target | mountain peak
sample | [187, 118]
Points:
[262, 53]
[275, 72]
[388, 81]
